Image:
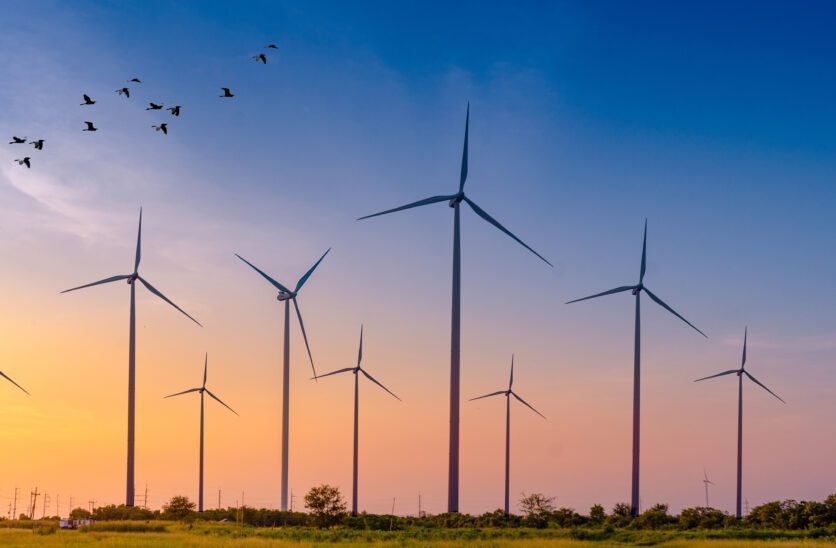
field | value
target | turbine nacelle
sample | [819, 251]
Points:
[637, 289]
[284, 296]
[457, 199]
[132, 278]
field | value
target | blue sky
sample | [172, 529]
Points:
[715, 121]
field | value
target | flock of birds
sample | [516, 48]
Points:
[125, 91]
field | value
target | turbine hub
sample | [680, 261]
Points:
[283, 296]
[637, 289]
[457, 199]
[132, 279]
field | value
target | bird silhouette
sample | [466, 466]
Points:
[124, 91]
[17, 141]
[137, 80]
[90, 127]
[24, 162]
[154, 106]
[227, 93]
[39, 144]
[272, 46]
[88, 100]
[161, 127]
[175, 110]
[260, 57]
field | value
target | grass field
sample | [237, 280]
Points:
[141, 534]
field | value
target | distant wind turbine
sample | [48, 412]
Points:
[131, 279]
[14, 383]
[707, 482]
[454, 201]
[355, 370]
[740, 373]
[202, 389]
[637, 291]
[508, 393]
[286, 295]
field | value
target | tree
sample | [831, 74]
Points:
[620, 515]
[178, 507]
[536, 508]
[80, 513]
[325, 504]
[597, 514]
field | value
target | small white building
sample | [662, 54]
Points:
[74, 523]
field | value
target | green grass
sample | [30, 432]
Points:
[142, 534]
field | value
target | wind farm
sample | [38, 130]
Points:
[294, 170]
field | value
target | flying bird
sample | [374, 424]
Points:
[161, 127]
[137, 80]
[154, 106]
[24, 162]
[90, 127]
[272, 46]
[175, 110]
[18, 141]
[260, 57]
[124, 91]
[227, 93]
[88, 100]
[39, 144]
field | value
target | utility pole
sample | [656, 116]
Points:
[46, 505]
[419, 504]
[71, 506]
[58, 505]
[34, 503]
[219, 499]
[392, 518]
[92, 504]
[14, 508]
[291, 500]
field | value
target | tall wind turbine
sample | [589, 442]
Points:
[454, 201]
[706, 482]
[14, 383]
[637, 291]
[508, 393]
[355, 370]
[131, 278]
[202, 390]
[740, 373]
[286, 295]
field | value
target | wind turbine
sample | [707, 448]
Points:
[740, 373]
[454, 201]
[508, 393]
[707, 482]
[131, 278]
[637, 291]
[14, 383]
[202, 390]
[355, 370]
[286, 295]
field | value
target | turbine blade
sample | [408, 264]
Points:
[363, 371]
[489, 395]
[205, 366]
[183, 392]
[610, 292]
[745, 336]
[463, 177]
[419, 203]
[482, 213]
[759, 383]
[672, 311]
[307, 275]
[138, 242]
[156, 292]
[105, 281]
[644, 253]
[729, 372]
[511, 380]
[275, 284]
[344, 370]
[360, 351]
[527, 404]
[304, 334]
[14, 383]
[220, 402]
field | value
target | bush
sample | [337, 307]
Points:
[326, 505]
[701, 517]
[178, 508]
[536, 509]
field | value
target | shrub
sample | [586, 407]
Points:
[326, 505]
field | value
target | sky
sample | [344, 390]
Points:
[713, 121]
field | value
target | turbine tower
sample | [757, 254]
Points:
[508, 393]
[637, 291]
[454, 201]
[355, 370]
[740, 373]
[131, 279]
[286, 295]
[202, 390]
[14, 383]
[707, 482]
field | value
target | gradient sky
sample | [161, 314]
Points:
[714, 121]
